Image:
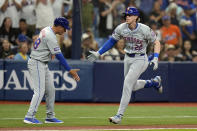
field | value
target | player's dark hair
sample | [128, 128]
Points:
[22, 20]
[138, 19]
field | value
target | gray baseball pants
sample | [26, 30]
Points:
[133, 68]
[42, 85]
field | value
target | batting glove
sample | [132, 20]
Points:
[94, 56]
[155, 61]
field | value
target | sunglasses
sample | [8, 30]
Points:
[129, 15]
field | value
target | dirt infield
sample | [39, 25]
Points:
[106, 127]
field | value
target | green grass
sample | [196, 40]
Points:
[73, 115]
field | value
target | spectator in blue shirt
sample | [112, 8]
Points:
[187, 27]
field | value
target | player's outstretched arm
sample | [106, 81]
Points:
[107, 45]
[74, 74]
[63, 61]
[156, 55]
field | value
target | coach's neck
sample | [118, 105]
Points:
[54, 29]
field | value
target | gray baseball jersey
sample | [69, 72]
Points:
[137, 40]
[45, 45]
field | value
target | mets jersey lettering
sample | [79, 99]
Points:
[137, 40]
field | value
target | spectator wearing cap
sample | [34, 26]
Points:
[94, 44]
[171, 54]
[170, 33]
[86, 41]
[22, 54]
[187, 29]
[87, 45]
[22, 38]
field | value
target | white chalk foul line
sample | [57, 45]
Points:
[158, 117]
[131, 117]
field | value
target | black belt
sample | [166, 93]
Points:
[134, 54]
[45, 62]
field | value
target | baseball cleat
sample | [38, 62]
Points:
[116, 119]
[159, 87]
[54, 120]
[31, 121]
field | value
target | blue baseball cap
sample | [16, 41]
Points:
[187, 7]
[22, 38]
[61, 21]
[166, 17]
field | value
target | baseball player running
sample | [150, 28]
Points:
[45, 46]
[137, 36]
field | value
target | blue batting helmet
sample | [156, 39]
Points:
[131, 11]
[61, 21]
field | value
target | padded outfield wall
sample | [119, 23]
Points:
[100, 82]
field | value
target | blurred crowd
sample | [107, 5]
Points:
[174, 22]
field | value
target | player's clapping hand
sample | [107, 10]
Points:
[94, 56]
[154, 61]
[74, 74]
